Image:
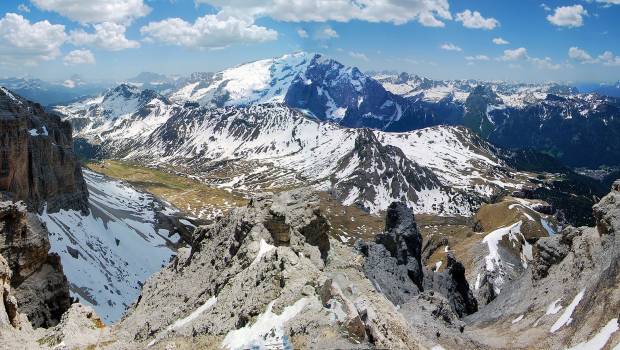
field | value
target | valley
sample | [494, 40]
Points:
[191, 196]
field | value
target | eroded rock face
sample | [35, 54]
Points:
[37, 280]
[394, 264]
[8, 303]
[37, 163]
[272, 259]
[606, 219]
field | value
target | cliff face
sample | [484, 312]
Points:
[37, 163]
[38, 167]
[36, 280]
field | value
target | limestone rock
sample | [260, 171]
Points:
[37, 280]
[37, 163]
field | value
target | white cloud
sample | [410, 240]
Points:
[96, 11]
[579, 55]
[29, 43]
[450, 47]
[609, 59]
[108, 36]
[500, 41]
[520, 54]
[568, 16]
[478, 58]
[79, 57]
[327, 33]
[207, 32]
[302, 33]
[609, 2]
[514, 55]
[474, 20]
[545, 7]
[23, 8]
[359, 56]
[69, 84]
[426, 12]
[545, 63]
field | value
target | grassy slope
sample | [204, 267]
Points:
[191, 196]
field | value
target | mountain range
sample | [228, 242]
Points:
[509, 115]
[371, 210]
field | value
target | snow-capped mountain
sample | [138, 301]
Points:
[270, 146]
[550, 117]
[427, 90]
[124, 111]
[322, 86]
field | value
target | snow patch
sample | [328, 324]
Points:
[554, 308]
[600, 339]
[268, 330]
[262, 250]
[565, 318]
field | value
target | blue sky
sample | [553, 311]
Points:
[572, 41]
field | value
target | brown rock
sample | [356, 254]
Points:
[37, 280]
[37, 163]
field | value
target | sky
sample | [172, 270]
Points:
[516, 40]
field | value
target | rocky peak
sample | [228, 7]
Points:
[403, 240]
[393, 263]
[124, 90]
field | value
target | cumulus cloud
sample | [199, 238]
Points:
[23, 8]
[359, 56]
[579, 55]
[609, 2]
[327, 33]
[207, 32]
[607, 58]
[302, 33]
[478, 58]
[474, 20]
[96, 11]
[500, 41]
[79, 57]
[30, 43]
[426, 12]
[108, 36]
[520, 54]
[450, 47]
[514, 55]
[545, 63]
[568, 16]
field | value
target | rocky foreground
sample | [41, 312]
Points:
[269, 276]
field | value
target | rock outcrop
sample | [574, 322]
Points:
[394, 265]
[36, 279]
[37, 163]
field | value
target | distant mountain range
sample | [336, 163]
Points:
[52, 93]
[581, 130]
